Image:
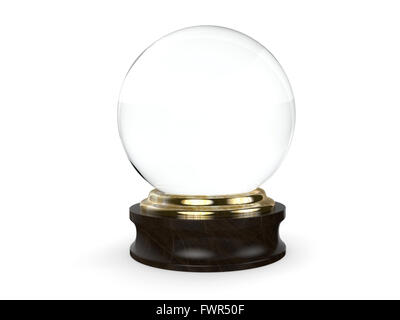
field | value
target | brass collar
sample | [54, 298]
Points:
[207, 207]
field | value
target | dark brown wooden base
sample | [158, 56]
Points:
[218, 244]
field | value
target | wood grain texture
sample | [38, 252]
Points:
[220, 244]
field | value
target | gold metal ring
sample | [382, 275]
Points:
[207, 207]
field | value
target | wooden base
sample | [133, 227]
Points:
[219, 244]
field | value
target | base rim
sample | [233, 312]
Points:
[210, 268]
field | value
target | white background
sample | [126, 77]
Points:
[66, 184]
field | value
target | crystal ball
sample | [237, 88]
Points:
[206, 110]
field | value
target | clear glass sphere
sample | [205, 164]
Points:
[206, 111]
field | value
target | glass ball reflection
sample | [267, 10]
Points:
[206, 111]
